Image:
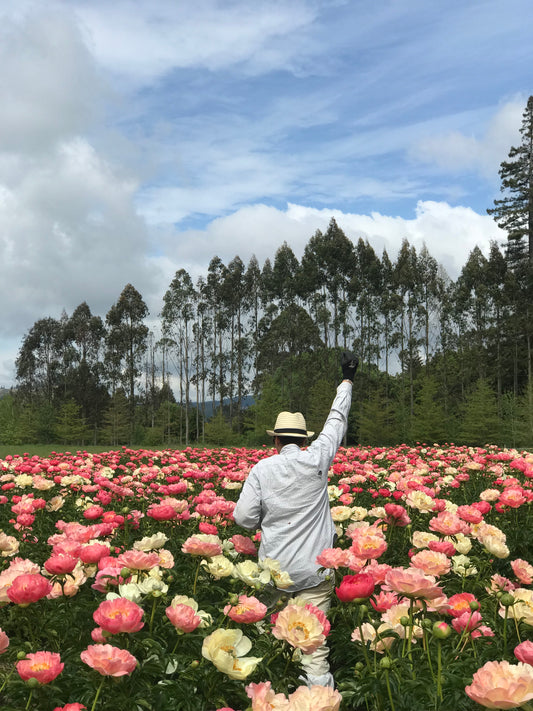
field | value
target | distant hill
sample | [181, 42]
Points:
[247, 401]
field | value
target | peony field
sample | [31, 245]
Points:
[125, 584]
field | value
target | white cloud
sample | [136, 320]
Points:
[143, 43]
[450, 234]
[457, 152]
[49, 85]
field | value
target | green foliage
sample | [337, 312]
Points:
[479, 424]
[116, 422]
[218, 431]
[71, 427]
[377, 421]
[429, 421]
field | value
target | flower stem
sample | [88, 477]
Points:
[97, 694]
[389, 689]
[29, 699]
[439, 670]
[196, 577]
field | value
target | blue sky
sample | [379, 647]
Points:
[138, 137]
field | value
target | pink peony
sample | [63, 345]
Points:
[248, 609]
[183, 617]
[119, 615]
[108, 660]
[28, 588]
[500, 685]
[43, 666]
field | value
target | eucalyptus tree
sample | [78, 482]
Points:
[284, 284]
[216, 276]
[234, 294]
[431, 277]
[292, 351]
[202, 335]
[365, 295]
[39, 361]
[177, 317]
[126, 343]
[85, 333]
[389, 308]
[312, 282]
[339, 262]
[473, 310]
[406, 280]
[328, 265]
[252, 296]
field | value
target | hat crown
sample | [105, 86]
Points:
[290, 424]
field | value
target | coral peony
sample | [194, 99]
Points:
[500, 685]
[43, 666]
[247, 610]
[412, 583]
[264, 698]
[108, 660]
[28, 588]
[119, 615]
[203, 544]
[60, 564]
[183, 617]
[300, 627]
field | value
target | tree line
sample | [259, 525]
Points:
[440, 359]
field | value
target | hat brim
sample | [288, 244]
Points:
[273, 433]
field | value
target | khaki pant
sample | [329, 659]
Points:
[315, 665]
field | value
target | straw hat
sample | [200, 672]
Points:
[290, 424]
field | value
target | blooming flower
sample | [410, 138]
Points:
[248, 609]
[60, 564]
[523, 571]
[183, 617]
[43, 666]
[119, 615]
[524, 652]
[355, 588]
[523, 606]
[412, 583]
[460, 603]
[108, 660]
[431, 562]
[204, 544]
[368, 543]
[226, 649]
[500, 685]
[300, 628]
[28, 588]
[264, 698]
[243, 544]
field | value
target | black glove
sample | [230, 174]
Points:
[349, 363]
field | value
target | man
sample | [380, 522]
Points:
[286, 496]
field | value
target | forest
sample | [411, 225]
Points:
[441, 360]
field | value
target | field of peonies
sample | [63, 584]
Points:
[126, 585]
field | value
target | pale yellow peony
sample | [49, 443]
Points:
[227, 649]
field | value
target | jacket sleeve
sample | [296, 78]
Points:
[247, 512]
[329, 440]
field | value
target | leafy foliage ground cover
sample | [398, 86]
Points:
[444, 533]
